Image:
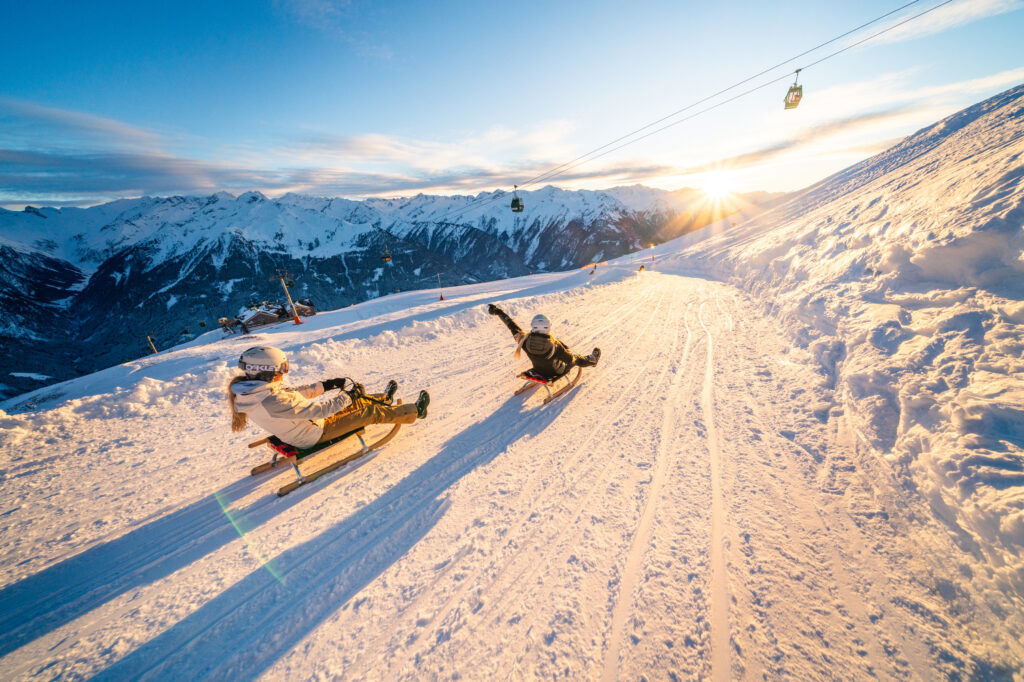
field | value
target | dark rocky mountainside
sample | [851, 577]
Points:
[81, 288]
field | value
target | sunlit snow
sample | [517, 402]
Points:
[802, 456]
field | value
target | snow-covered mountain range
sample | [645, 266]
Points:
[80, 288]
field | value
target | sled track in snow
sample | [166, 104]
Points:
[484, 379]
[842, 563]
[261, 617]
[555, 547]
[511, 574]
[686, 512]
[642, 536]
[720, 639]
[109, 577]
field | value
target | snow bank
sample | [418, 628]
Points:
[904, 277]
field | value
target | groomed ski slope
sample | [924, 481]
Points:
[694, 509]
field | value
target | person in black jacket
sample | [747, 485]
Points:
[550, 358]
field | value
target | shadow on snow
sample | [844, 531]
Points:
[252, 624]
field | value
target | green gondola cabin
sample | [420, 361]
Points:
[796, 92]
[793, 97]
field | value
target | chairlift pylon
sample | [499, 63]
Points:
[517, 203]
[795, 94]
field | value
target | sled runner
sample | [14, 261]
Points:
[535, 379]
[285, 454]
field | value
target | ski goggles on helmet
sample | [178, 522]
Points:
[252, 369]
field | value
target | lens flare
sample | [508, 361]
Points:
[237, 521]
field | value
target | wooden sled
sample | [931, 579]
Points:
[285, 455]
[533, 380]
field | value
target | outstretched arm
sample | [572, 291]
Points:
[311, 390]
[509, 322]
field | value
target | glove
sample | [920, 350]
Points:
[331, 384]
[493, 309]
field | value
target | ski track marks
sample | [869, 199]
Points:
[690, 510]
[631, 572]
[720, 659]
[515, 570]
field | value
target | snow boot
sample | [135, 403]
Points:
[595, 356]
[421, 405]
[390, 390]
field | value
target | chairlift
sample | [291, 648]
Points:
[795, 94]
[517, 203]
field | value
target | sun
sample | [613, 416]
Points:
[716, 185]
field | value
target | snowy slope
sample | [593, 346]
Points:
[684, 511]
[904, 276]
[798, 459]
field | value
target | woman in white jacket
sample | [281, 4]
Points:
[289, 414]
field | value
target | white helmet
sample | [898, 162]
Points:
[540, 324]
[260, 359]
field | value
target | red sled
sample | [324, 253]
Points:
[534, 379]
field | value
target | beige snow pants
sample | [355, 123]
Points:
[363, 413]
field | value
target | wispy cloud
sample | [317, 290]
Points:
[336, 18]
[316, 13]
[896, 89]
[468, 180]
[40, 177]
[543, 143]
[972, 86]
[896, 108]
[21, 119]
[806, 137]
[50, 155]
[60, 155]
[945, 18]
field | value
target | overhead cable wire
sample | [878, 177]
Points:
[735, 85]
[552, 172]
[592, 154]
[751, 90]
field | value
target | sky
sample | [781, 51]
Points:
[109, 99]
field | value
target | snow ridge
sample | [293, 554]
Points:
[904, 276]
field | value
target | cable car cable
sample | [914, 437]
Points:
[554, 171]
[582, 159]
[544, 175]
[754, 89]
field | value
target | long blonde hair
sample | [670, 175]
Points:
[239, 420]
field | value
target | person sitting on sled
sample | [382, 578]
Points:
[289, 414]
[550, 357]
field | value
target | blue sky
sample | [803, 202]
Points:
[105, 99]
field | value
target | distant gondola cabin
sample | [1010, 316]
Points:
[793, 97]
[517, 203]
